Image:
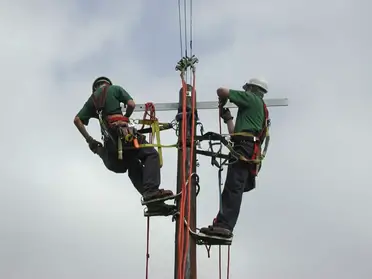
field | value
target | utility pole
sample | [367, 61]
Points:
[191, 263]
[191, 253]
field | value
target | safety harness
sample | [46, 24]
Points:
[258, 139]
[262, 136]
[118, 123]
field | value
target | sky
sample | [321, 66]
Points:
[63, 215]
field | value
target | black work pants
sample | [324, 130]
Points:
[142, 164]
[239, 179]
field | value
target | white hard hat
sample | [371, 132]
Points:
[260, 83]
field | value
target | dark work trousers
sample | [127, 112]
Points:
[238, 180]
[142, 164]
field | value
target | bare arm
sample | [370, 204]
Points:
[230, 126]
[131, 105]
[223, 93]
[80, 126]
[225, 114]
[123, 96]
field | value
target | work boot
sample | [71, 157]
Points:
[215, 230]
[157, 194]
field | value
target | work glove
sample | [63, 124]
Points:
[93, 144]
[225, 114]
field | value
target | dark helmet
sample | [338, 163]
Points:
[99, 81]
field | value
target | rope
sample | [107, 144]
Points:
[228, 263]
[149, 111]
[219, 262]
[147, 247]
[183, 197]
[220, 192]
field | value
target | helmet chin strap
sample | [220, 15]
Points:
[103, 84]
[255, 89]
[256, 83]
[98, 82]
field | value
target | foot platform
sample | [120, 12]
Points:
[204, 239]
[159, 200]
[163, 210]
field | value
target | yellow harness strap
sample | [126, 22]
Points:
[155, 128]
[120, 149]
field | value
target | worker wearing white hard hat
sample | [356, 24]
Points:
[256, 85]
[247, 134]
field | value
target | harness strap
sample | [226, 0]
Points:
[258, 139]
[120, 148]
[99, 102]
[245, 134]
[117, 118]
[263, 136]
[264, 130]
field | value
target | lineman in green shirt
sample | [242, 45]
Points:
[142, 164]
[241, 176]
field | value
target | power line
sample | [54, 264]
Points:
[180, 26]
[186, 36]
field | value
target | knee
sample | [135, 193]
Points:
[112, 164]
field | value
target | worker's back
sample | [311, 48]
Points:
[114, 96]
[251, 115]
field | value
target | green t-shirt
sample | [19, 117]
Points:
[115, 95]
[251, 113]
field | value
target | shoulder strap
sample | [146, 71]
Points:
[265, 124]
[99, 102]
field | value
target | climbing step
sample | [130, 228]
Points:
[163, 210]
[160, 199]
[203, 239]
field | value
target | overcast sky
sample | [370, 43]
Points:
[64, 216]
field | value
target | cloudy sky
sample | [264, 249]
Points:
[63, 215]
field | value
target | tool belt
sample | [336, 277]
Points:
[126, 136]
[247, 137]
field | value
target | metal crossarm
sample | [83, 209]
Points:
[279, 102]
